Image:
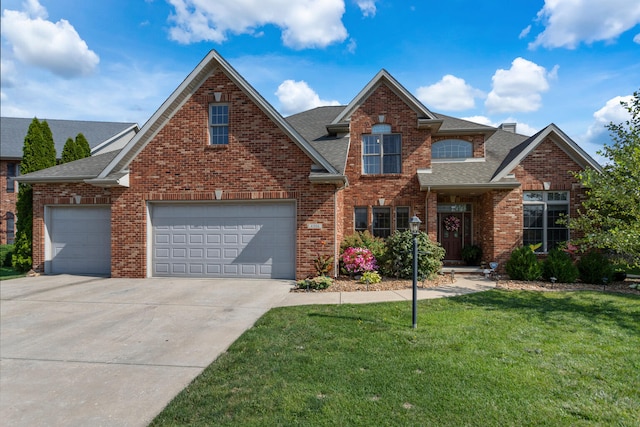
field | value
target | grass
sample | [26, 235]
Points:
[496, 358]
[7, 273]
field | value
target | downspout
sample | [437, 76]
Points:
[336, 246]
[426, 211]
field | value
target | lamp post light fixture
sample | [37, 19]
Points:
[414, 226]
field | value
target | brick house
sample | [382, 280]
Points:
[102, 137]
[218, 184]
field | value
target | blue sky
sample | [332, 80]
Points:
[533, 62]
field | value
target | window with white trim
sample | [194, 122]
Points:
[452, 149]
[381, 151]
[542, 210]
[218, 124]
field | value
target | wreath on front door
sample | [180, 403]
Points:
[452, 223]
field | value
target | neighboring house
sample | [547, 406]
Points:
[218, 184]
[102, 137]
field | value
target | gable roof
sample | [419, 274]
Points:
[179, 97]
[14, 129]
[425, 117]
[518, 153]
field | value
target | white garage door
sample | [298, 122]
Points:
[80, 240]
[254, 240]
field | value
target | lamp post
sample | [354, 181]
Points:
[414, 226]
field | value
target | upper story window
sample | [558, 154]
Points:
[381, 151]
[219, 124]
[452, 149]
[13, 170]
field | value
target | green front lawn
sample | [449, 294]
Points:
[488, 359]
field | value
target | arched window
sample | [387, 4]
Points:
[451, 149]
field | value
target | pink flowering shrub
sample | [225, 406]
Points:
[358, 260]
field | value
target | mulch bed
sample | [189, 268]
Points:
[347, 284]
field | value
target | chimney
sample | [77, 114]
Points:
[508, 127]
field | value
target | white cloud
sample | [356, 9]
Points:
[612, 111]
[525, 32]
[106, 96]
[451, 93]
[571, 22]
[8, 73]
[304, 23]
[56, 47]
[483, 120]
[295, 97]
[521, 128]
[519, 88]
[368, 7]
[352, 46]
[636, 39]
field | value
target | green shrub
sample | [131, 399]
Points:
[523, 265]
[594, 267]
[399, 259]
[315, 283]
[472, 254]
[370, 277]
[559, 265]
[6, 251]
[21, 256]
[364, 239]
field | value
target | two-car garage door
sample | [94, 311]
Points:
[254, 240]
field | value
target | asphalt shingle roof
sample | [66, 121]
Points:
[13, 130]
[312, 124]
[78, 170]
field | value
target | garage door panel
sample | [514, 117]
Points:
[80, 239]
[233, 240]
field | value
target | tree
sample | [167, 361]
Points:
[38, 152]
[74, 150]
[68, 151]
[610, 216]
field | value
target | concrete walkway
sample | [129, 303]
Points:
[87, 351]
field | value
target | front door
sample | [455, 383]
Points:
[451, 226]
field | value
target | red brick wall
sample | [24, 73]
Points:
[398, 189]
[260, 163]
[549, 163]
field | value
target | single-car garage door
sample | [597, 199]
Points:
[253, 240]
[80, 240]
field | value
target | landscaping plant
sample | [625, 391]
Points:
[595, 268]
[399, 260]
[559, 265]
[523, 264]
[370, 277]
[358, 260]
[315, 283]
[364, 239]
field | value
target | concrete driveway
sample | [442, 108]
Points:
[80, 351]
